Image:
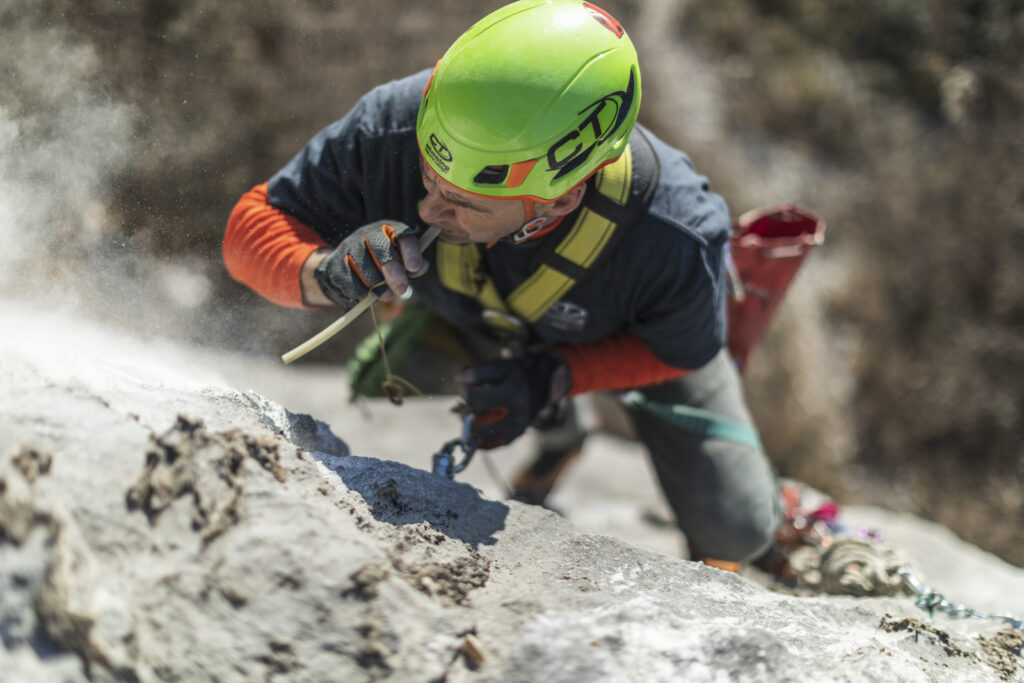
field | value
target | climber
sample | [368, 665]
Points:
[576, 248]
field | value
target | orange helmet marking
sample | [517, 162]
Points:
[605, 19]
[518, 172]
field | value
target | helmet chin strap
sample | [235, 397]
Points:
[532, 226]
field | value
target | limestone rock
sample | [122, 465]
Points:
[157, 527]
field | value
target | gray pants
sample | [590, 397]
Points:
[723, 493]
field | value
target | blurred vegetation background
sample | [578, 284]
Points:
[894, 374]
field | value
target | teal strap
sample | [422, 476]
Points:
[703, 423]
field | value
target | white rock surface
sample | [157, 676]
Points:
[157, 523]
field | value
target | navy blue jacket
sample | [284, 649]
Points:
[664, 282]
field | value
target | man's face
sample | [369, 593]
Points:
[464, 217]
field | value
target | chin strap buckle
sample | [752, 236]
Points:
[529, 229]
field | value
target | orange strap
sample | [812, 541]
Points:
[264, 248]
[621, 361]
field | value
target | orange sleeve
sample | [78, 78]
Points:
[621, 361]
[264, 248]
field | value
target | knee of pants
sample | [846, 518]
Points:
[739, 532]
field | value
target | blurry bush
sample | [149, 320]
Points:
[921, 107]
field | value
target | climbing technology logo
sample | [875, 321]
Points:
[605, 19]
[600, 120]
[439, 153]
[566, 316]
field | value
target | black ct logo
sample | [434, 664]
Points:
[439, 149]
[600, 120]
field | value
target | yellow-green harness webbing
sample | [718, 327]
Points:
[613, 200]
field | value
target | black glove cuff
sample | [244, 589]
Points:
[330, 291]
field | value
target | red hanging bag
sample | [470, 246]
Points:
[767, 248]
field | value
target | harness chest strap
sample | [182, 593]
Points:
[617, 197]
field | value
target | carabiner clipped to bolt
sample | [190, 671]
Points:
[444, 460]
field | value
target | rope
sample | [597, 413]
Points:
[856, 565]
[341, 323]
[849, 566]
[393, 386]
[703, 423]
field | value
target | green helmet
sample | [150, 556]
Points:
[531, 100]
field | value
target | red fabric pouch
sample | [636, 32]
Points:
[767, 248]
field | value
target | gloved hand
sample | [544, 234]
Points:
[506, 394]
[357, 265]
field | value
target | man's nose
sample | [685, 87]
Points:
[434, 209]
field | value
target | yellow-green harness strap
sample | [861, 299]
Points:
[460, 269]
[576, 249]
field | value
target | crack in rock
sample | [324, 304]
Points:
[187, 460]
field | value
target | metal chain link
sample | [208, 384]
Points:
[444, 462]
[932, 601]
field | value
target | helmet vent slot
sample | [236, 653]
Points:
[492, 175]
